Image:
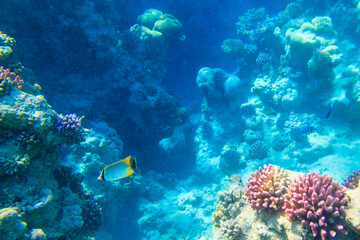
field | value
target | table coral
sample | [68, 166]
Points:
[267, 188]
[318, 202]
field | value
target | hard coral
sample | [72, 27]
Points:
[353, 180]
[230, 158]
[266, 188]
[231, 202]
[318, 202]
[7, 80]
[70, 126]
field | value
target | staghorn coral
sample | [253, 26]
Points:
[353, 180]
[267, 188]
[319, 203]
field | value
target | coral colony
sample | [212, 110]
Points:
[267, 188]
[318, 202]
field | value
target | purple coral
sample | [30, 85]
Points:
[353, 180]
[70, 126]
[318, 202]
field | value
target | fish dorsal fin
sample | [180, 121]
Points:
[125, 160]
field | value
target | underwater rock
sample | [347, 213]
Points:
[353, 210]
[11, 227]
[217, 85]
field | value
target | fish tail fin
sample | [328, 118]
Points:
[134, 163]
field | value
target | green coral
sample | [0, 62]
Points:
[149, 17]
[169, 26]
[156, 24]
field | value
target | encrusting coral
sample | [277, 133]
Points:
[318, 202]
[267, 188]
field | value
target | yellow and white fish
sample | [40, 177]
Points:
[118, 170]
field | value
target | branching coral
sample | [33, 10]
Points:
[353, 180]
[70, 126]
[266, 188]
[318, 202]
[7, 80]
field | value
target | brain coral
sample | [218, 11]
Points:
[266, 188]
[318, 202]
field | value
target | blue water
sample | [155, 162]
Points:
[196, 90]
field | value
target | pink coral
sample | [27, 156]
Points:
[5, 74]
[267, 188]
[318, 202]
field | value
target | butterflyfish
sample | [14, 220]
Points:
[118, 170]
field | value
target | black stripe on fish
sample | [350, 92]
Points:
[308, 130]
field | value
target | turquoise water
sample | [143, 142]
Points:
[225, 105]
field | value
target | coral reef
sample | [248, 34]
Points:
[11, 226]
[230, 202]
[250, 20]
[70, 126]
[257, 151]
[319, 203]
[91, 214]
[267, 188]
[352, 180]
[7, 80]
[230, 159]
[352, 211]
